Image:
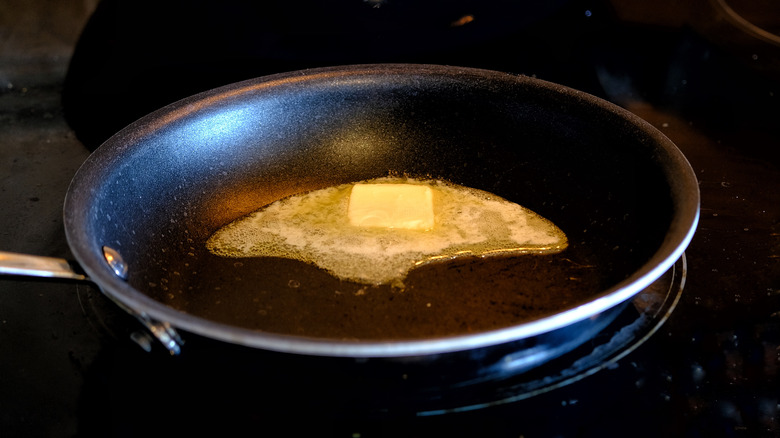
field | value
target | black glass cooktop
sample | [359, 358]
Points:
[701, 360]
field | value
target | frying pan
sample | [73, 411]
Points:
[139, 210]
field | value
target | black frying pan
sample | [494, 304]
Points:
[153, 193]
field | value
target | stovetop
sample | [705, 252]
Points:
[706, 74]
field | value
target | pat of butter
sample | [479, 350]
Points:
[407, 206]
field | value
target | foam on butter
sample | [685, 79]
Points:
[316, 227]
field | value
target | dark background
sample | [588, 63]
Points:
[705, 73]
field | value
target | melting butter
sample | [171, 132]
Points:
[389, 205]
[315, 227]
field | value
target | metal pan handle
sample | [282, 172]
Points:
[51, 267]
[38, 266]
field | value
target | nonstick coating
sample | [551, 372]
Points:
[156, 190]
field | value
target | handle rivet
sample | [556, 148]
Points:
[116, 262]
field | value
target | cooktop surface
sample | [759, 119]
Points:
[702, 359]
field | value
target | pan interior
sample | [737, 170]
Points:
[173, 178]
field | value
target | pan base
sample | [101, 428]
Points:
[209, 373]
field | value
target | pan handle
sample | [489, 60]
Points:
[38, 266]
[51, 267]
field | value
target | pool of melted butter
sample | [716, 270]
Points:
[314, 228]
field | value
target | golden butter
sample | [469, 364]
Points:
[314, 227]
[407, 206]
